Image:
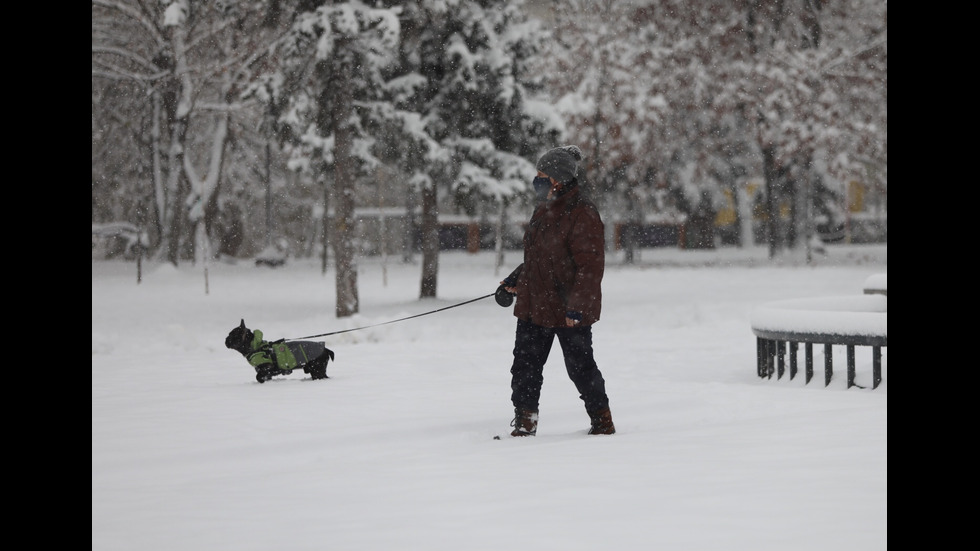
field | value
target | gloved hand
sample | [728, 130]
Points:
[511, 280]
[572, 318]
[503, 296]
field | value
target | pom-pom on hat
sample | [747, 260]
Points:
[561, 163]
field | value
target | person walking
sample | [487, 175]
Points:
[558, 290]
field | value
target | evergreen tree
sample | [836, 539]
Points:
[463, 70]
[790, 91]
[328, 91]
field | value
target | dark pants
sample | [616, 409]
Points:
[531, 349]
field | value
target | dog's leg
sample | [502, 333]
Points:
[317, 368]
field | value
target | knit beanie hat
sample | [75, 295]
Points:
[561, 163]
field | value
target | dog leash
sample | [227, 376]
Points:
[392, 321]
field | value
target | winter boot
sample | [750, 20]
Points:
[602, 422]
[525, 422]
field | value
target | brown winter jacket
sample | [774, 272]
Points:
[564, 259]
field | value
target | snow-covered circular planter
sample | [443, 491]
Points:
[876, 284]
[853, 320]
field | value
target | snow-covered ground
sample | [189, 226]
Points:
[395, 451]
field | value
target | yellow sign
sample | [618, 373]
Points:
[855, 196]
[726, 214]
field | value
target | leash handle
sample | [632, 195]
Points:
[392, 321]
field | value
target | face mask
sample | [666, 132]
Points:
[541, 187]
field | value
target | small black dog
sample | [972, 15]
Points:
[279, 357]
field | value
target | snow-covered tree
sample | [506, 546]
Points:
[604, 68]
[798, 76]
[677, 104]
[744, 88]
[463, 70]
[328, 91]
[174, 68]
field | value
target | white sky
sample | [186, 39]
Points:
[395, 450]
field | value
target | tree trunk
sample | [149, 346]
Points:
[769, 172]
[498, 244]
[175, 222]
[794, 214]
[326, 225]
[408, 243]
[430, 242]
[177, 182]
[159, 187]
[348, 303]
[733, 189]
[267, 180]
